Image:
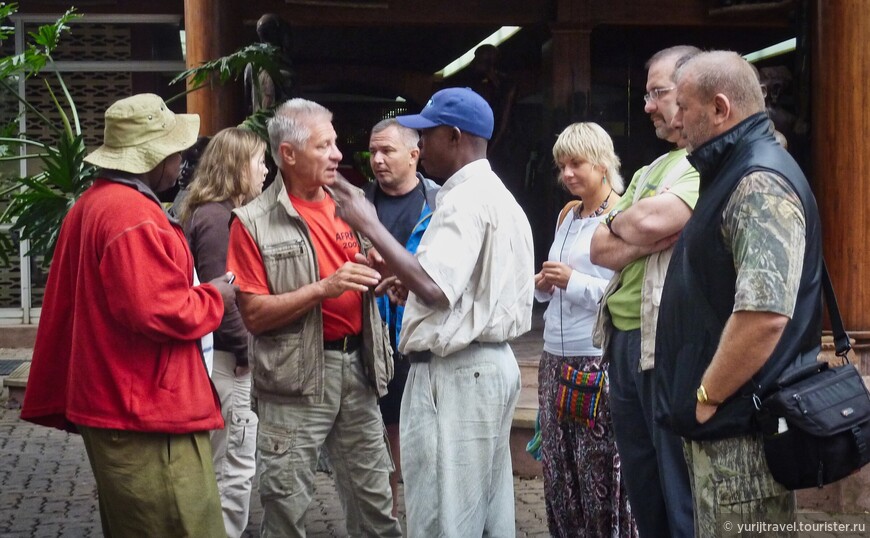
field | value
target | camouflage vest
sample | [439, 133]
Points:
[698, 295]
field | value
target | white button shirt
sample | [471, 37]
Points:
[478, 250]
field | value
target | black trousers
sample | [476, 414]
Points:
[653, 465]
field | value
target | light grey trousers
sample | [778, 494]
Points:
[234, 447]
[455, 435]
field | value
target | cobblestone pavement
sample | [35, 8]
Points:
[47, 490]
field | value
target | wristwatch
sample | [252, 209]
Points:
[608, 220]
[701, 394]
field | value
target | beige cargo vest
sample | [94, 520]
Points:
[656, 267]
[287, 363]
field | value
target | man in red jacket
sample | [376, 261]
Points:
[117, 354]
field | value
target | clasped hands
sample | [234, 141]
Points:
[553, 275]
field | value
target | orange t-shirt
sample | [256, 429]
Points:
[334, 243]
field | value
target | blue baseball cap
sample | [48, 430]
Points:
[457, 107]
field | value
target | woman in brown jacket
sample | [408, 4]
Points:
[230, 173]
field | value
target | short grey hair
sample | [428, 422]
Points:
[680, 53]
[590, 142]
[288, 124]
[728, 73]
[410, 137]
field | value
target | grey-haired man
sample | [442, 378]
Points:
[319, 353]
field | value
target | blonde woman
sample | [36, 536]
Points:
[230, 173]
[583, 491]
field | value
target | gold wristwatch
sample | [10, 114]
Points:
[701, 394]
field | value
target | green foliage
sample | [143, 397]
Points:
[39, 202]
[362, 160]
[261, 56]
[5, 10]
[257, 123]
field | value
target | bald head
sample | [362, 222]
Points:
[727, 73]
[716, 90]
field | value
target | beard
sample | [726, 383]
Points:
[665, 132]
[700, 134]
[663, 128]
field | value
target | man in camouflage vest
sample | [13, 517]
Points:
[742, 296]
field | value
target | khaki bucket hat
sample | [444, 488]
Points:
[140, 132]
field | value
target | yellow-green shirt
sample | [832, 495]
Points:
[624, 303]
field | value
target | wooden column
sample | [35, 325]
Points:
[841, 153]
[209, 32]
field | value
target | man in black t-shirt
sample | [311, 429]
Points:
[404, 200]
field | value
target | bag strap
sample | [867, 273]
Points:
[863, 452]
[564, 213]
[841, 338]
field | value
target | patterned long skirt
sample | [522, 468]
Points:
[584, 494]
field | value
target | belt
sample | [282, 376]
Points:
[347, 344]
[426, 356]
[419, 356]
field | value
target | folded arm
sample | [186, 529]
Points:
[650, 225]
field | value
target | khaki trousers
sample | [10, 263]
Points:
[154, 484]
[348, 423]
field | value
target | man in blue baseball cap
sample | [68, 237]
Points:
[457, 107]
[471, 287]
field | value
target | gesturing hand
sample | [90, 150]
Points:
[374, 260]
[556, 274]
[350, 276]
[394, 289]
[352, 206]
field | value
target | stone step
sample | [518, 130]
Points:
[15, 383]
[17, 336]
[527, 350]
[527, 405]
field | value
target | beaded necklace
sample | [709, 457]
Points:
[598, 212]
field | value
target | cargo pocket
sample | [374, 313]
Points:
[242, 433]
[275, 466]
[389, 363]
[742, 486]
[278, 364]
[745, 499]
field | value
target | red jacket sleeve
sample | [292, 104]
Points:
[146, 273]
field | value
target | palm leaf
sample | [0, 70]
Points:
[262, 56]
[38, 204]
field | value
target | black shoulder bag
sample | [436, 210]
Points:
[816, 420]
